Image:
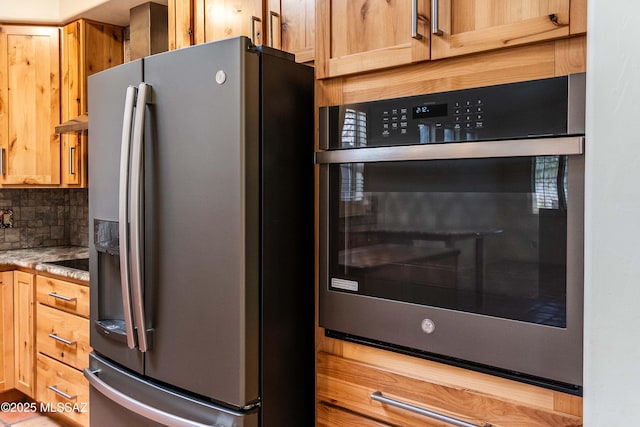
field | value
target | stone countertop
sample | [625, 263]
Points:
[37, 259]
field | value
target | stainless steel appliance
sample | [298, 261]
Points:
[201, 256]
[451, 227]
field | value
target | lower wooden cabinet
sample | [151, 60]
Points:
[24, 331]
[62, 390]
[63, 348]
[349, 394]
[333, 416]
[6, 331]
[63, 336]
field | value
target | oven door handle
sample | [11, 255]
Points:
[562, 146]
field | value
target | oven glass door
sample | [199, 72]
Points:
[485, 235]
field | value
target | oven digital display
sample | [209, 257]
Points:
[426, 111]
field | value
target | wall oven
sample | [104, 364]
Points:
[451, 227]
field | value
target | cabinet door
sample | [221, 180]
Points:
[468, 26]
[273, 23]
[72, 91]
[74, 158]
[180, 26]
[221, 19]
[6, 331]
[361, 35]
[294, 28]
[87, 47]
[24, 330]
[29, 95]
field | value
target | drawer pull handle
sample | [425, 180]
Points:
[61, 393]
[62, 340]
[62, 297]
[377, 396]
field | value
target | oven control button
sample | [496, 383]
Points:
[428, 326]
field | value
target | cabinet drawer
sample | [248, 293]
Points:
[331, 416]
[350, 385]
[64, 327]
[63, 295]
[65, 390]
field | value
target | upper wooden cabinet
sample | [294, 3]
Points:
[283, 24]
[221, 19]
[87, 47]
[469, 26]
[359, 35]
[29, 105]
[291, 27]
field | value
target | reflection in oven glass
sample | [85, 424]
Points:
[483, 236]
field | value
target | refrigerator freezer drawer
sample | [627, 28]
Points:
[121, 398]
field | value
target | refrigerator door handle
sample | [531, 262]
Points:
[123, 214]
[137, 250]
[142, 409]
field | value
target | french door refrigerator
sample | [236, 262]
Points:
[201, 253]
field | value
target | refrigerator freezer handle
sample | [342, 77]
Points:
[140, 408]
[123, 214]
[137, 251]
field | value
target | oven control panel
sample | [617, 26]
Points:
[511, 111]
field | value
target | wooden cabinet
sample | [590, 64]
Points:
[87, 47]
[63, 345]
[469, 26]
[284, 24]
[29, 105]
[349, 393]
[291, 27]
[63, 387]
[356, 36]
[6, 331]
[220, 19]
[24, 331]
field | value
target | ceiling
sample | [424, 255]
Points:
[63, 11]
[113, 11]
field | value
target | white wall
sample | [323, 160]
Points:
[47, 11]
[63, 11]
[612, 261]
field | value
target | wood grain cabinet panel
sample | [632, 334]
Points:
[62, 295]
[288, 25]
[87, 47]
[63, 336]
[64, 389]
[350, 385]
[24, 331]
[29, 105]
[6, 331]
[63, 345]
[291, 27]
[221, 19]
[469, 26]
[361, 35]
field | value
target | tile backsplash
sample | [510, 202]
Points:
[45, 217]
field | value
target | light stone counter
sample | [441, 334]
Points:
[37, 258]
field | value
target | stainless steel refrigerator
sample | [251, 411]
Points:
[201, 251]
